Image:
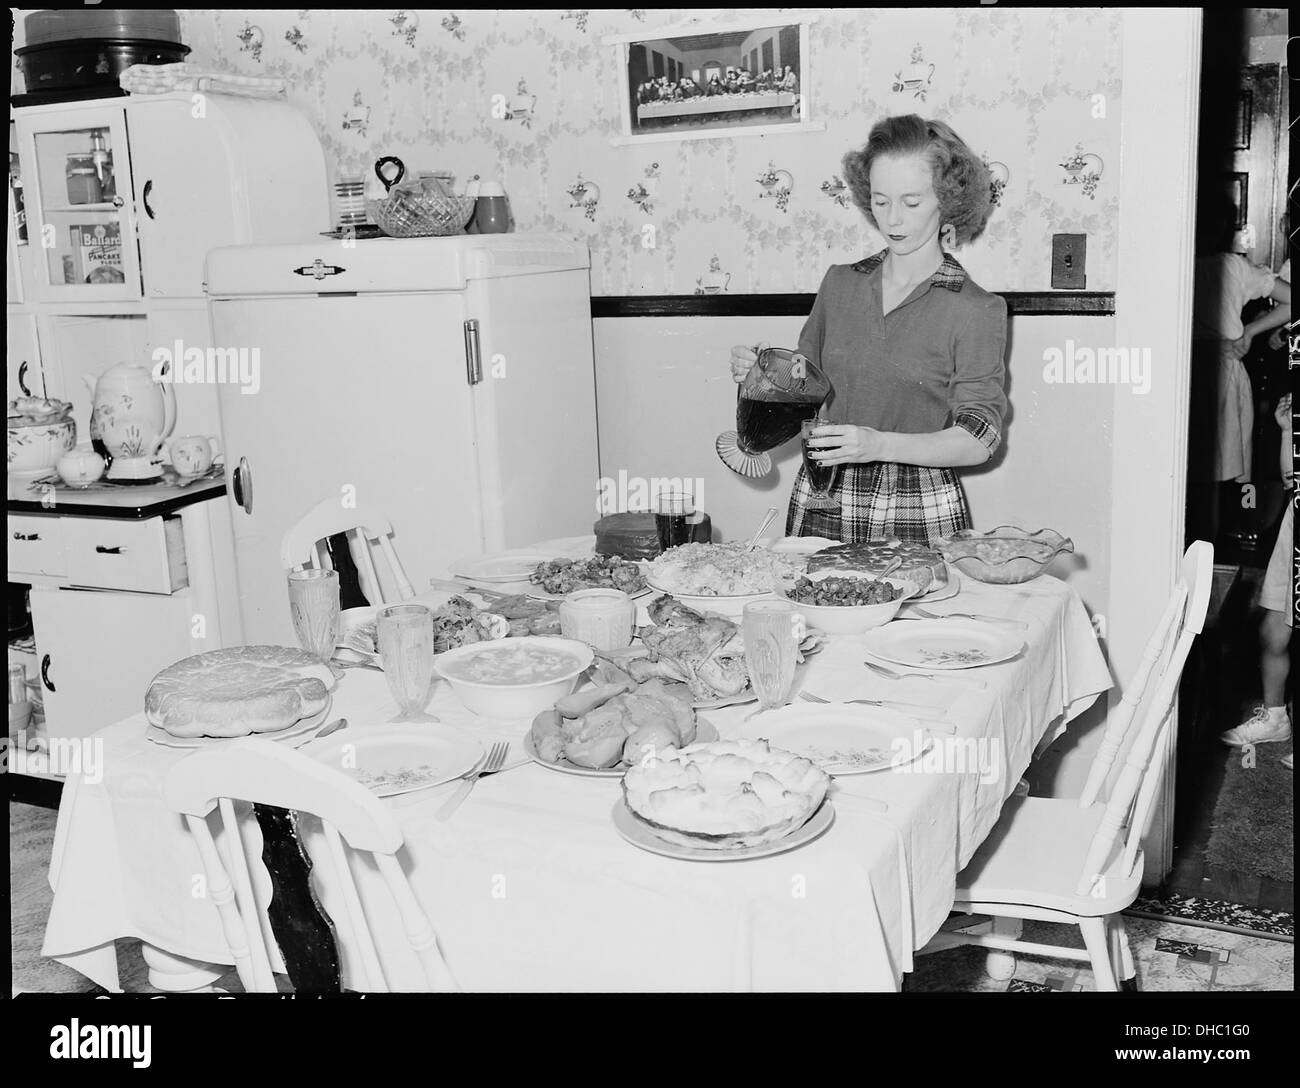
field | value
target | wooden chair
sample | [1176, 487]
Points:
[264, 772]
[1080, 861]
[304, 546]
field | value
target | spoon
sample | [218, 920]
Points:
[753, 541]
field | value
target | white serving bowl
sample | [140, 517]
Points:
[733, 608]
[525, 700]
[855, 619]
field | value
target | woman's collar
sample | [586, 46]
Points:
[950, 274]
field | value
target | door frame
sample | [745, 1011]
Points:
[1161, 65]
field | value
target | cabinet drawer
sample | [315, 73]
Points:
[35, 545]
[147, 556]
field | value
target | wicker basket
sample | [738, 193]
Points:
[421, 212]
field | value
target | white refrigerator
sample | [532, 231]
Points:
[445, 382]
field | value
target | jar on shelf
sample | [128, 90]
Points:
[83, 181]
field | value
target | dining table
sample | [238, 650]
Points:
[531, 888]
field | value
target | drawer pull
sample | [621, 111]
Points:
[27, 536]
[45, 673]
[116, 549]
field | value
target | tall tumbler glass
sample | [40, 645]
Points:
[406, 653]
[772, 631]
[314, 605]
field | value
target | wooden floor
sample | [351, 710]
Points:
[1221, 679]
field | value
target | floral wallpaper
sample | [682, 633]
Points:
[531, 98]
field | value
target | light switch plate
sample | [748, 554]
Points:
[1069, 252]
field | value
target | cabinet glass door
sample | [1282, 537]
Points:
[77, 183]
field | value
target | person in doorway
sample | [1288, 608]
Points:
[914, 348]
[1271, 722]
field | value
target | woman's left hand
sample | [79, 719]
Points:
[844, 444]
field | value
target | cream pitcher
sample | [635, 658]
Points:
[132, 414]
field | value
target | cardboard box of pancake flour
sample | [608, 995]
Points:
[97, 253]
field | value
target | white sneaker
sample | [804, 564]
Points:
[1262, 727]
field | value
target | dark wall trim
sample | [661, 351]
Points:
[1018, 302]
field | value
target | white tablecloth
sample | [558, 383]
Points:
[530, 888]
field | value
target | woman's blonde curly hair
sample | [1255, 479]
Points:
[961, 180]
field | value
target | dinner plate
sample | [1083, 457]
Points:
[499, 567]
[635, 832]
[394, 759]
[298, 732]
[704, 732]
[842, 740]
[935, 645]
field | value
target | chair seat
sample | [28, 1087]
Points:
[1034, 856]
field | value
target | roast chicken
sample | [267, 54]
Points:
[705, 652]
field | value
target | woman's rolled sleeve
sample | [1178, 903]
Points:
[977, 394]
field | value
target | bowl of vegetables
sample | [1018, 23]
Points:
[849, 604]
[1006, 555]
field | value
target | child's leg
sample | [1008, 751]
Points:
[1275, 657]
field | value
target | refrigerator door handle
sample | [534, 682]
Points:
[473, 357]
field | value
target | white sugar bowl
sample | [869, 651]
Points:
[80, 466]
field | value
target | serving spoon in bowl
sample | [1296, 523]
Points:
[753, 540]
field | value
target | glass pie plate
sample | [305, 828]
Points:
[1006, 555]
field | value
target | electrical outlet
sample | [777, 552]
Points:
[1069, 252]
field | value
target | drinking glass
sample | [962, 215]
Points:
[820, 477]
[350, 200]
[673, 512]
[772, 631]
[406, 652]
[314, 605]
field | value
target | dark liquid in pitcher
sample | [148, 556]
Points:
[765, 424]
[819, 475]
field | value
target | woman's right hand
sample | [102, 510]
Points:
[742, 358]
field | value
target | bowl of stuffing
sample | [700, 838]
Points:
[722, 578]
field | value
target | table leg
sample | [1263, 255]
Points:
[176, 974]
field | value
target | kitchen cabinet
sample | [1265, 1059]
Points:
[122, 586]
[123, 199]
[126, 196]
[97, 652]
[24, 375]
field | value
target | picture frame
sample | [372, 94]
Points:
[700, 80]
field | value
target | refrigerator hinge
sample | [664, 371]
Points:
[473, 359]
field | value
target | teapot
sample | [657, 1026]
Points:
[131, 416]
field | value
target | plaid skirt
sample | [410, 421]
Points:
[883, 500]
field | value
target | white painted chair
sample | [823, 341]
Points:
[1080, 861]
[305, 546]
[261, 771]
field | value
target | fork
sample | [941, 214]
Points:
[495, 758]
[890, 674]
[977, 616]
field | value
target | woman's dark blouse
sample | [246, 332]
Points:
[934, 361]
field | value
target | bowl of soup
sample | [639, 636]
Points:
[514, 677]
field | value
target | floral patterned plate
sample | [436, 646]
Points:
[393, 759]
[841, 740]
[940, 645]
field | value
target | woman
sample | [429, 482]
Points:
[912, 345]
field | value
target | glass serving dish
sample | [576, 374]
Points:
[423, 208]
[1006, 555]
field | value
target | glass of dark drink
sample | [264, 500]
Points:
[673, 513]
[822, 477]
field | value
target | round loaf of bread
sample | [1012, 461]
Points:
[238, 691]
[921, 564]
[724, 795]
